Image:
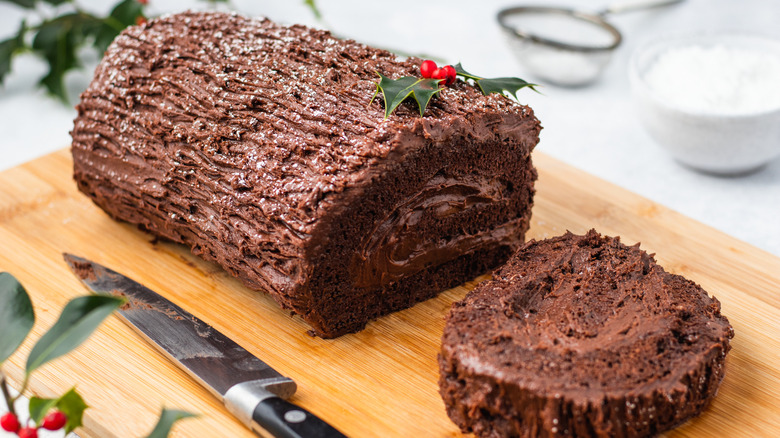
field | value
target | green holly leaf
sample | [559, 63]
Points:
[57, 40]
[167, 418]
[80, 317]
[27, 4]
[503, 85]
[39, 407]
[71, 404]
[124, 14]
[16, 315]
[104, 34]
[395, 91]
[314, 9]
[57, 2]
[496, 85]
[8, 48]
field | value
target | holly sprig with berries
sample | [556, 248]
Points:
[80, 317]
[434, 80]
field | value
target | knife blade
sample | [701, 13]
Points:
[250, 389]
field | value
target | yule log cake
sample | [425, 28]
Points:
[259, 146]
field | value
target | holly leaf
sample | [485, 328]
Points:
[57, 41]
[56, 2]
[395, 91]
[27, 4]
[16, 315]
[39, 407]
[71, 404]
[167, 418]
[124, 14]
[496, 85]
[314, 9]
[80, 317]
[8, 48]
[503, 85]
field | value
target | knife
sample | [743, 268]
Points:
[250, 389]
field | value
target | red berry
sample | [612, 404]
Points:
[439, 74]
[143, 2]
[9, 422]
[28, 432]
[427, 68]
[450, 74]
[54, 420]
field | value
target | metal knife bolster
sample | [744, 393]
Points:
[261, 405]
[279, 418]
[242, 398]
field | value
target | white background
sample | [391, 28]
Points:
[593, 128]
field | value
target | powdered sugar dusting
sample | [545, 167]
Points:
[717, 79]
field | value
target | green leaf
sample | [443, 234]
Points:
[57, 41]
[502, 85]
[29, 4]
[314, 9]
[461, 72]
[71, 404]
[57, 2]
[39, 407]
[126, 12]
[8, 48]
[395, 91]
[496, 85]
[165, 423]
[16, 315]
[80, 317]
[104, 35]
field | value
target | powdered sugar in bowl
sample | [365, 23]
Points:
[713, 101]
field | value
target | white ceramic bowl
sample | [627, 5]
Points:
[714, 140]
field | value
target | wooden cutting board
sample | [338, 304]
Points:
[382, 381]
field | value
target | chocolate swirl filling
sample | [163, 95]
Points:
[395, 249]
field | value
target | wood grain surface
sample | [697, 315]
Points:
[382, 381]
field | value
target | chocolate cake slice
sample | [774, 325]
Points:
[260, 147]
[581, 336]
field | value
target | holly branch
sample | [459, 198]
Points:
[57, 39]
[78, 320]
[434, 79]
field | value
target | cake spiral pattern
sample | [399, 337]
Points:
[581, 336]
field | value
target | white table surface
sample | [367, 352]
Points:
[593, 128]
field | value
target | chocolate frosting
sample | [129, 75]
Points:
[250, 141]
[582, 336]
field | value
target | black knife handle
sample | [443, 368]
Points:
[282, 419]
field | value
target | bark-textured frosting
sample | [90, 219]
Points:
[257, 145]
[581, 336]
